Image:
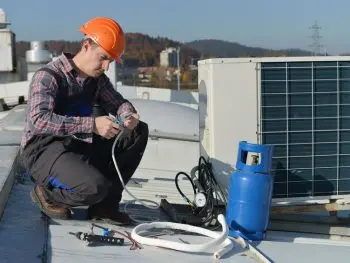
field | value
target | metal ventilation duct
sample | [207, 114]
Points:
[38, 54]
[3, 19]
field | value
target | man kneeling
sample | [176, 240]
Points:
[66, 146]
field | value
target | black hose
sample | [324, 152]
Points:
[178, 188]
[207, 166]
[204, 182]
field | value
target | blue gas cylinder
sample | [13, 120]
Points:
[250, 192]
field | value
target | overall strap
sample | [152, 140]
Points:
[62, 85]
[63, 99]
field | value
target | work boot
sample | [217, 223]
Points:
[49, 209]
[109, 214]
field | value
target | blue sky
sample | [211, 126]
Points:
[273, 24]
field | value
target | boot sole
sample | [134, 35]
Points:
[36, 200]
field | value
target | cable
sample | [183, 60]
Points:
[209, 171]
[206, 185]
[205, 182]
[142, 201]
[178, 188]
[220, 241]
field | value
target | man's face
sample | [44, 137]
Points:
[97, 60]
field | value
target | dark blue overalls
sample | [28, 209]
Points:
[76, 173]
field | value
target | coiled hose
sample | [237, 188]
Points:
[221, 243]
[219, 238]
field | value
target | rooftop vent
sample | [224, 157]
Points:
[38, 54]
[3, 19]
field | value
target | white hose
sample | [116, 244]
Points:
[142, 201]
[219, 238]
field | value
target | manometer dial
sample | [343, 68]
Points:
[200, 200]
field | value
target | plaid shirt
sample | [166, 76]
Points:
[40, 118]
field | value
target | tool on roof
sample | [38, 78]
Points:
[92, 238]
[109, 236]
[112, 232]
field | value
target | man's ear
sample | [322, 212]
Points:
[85, 45]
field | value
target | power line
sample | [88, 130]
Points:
[315, 46]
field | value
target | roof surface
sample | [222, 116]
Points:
[26, 236]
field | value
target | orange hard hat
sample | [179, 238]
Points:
[108, 34]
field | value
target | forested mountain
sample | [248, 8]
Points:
[219, 48]
[143, 50]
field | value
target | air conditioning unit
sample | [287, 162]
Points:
[301, 105]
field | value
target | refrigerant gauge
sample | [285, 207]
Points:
[200, 200]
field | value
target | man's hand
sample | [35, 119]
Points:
[105, 127]
[132, 121]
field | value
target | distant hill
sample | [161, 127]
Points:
[221, 49]
[143, 50]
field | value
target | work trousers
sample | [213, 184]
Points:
[76, 173]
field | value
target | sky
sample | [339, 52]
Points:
[275, 24]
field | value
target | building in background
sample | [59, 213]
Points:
[168, 57]
[8, 63]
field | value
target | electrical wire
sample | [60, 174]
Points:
[178, 188]
[142, 201]
[203, 182]
[207, 183]
[208, 171]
